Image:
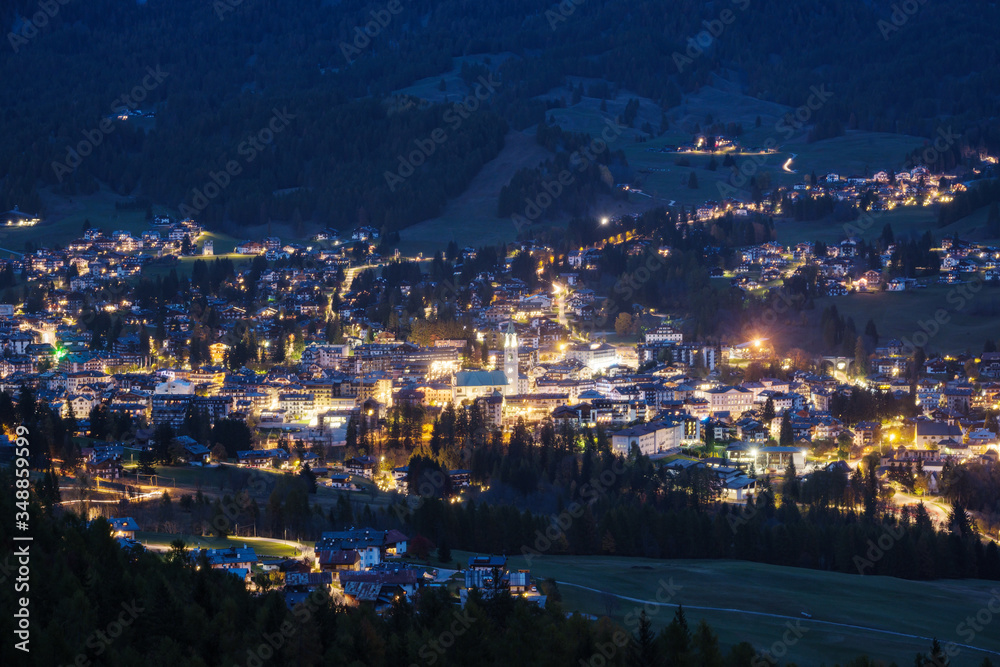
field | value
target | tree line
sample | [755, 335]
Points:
[224, 79]
[101, 602]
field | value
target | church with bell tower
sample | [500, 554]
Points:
[510, 358]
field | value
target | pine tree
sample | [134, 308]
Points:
[767, 413]
[860, 358]
[993, 221]
[146, 463]
[936, 658]
[871, 331]
[644, 643]
[785, 435]
[790, 485]
[678, 639]
[706, 643]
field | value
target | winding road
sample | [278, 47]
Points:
[937, 510]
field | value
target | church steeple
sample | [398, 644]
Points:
[510, 357]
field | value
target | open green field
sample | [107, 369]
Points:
[852, 153]
[914, 220]
[905, 220]
[471, 218]
[663, 180]
[898, 314]
[971, 228]
[429, 88]
[734, 590]
[64, 218]
[723, 102]
[588, 116]
[968, 319]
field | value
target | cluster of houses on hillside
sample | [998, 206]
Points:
[531, 373]
[881, 191]
[841, 271]
[358, 566]
[519, 356]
